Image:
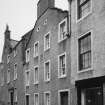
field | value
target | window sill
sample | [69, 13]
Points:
[47, 49]
[61, 77]
[85, 70]
[78, 20]
[27, 85]
[8, 82]
[15, 79]
[36, 83]
[47, 80]
[60, 41]
[35, 56]
[27, 61]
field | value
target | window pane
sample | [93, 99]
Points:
[64, 98]
[36, 99]
[8, 75]
[15, 71]
[62, 30]
[62, 65]
[36, 49]
[84, 7]
[85, 52]
[27, 78]
[15, 95]
[27, 55]
[36, 74]
[82, 1]
[47, 99]
[47, 71]
[47, 41]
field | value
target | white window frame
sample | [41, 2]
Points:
[15, 52]
[36, 82]
[27, 58]
[15, 72]
[8, 75]
[34, 97]
[88, 69]
[35, 55]
[83, 17]
[59, 39]
[45, 78]
[27, 84]
[47, 92]
[25, 98]
[63, 90]
[45, 48]
[8, 58]
[59, 74]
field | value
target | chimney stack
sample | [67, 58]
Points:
[43, 5]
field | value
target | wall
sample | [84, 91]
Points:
[54, 17]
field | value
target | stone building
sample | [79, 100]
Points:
[60, 61]
[36, 70]
[47, 62]
[11, 72]
[87, 51]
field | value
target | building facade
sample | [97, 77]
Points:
[60, 61]
[87, 52]
[36, 69]
[12, 83]
[47, 66]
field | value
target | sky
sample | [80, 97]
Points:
[21, 16]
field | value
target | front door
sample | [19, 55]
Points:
[92, 96]
[64, 98]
